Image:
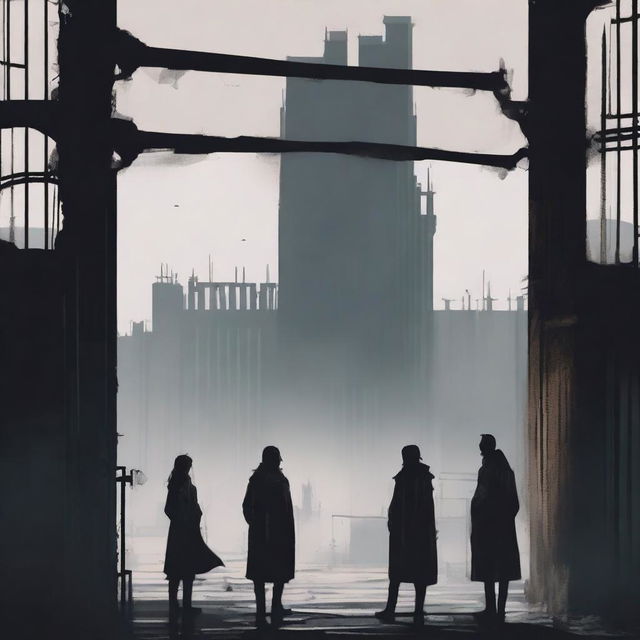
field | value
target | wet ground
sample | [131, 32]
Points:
[335, 603]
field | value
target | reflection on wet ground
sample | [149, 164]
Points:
[335, 602]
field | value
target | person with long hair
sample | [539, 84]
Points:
[494, 545]
[268, 510]
[187, 553]
[412, 534]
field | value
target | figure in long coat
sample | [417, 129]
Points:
[187, 553]
[268, 510]
[412, 534]
[494, 545]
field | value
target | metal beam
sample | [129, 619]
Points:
[199, 144]
[132, 53]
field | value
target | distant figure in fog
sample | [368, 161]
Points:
[268, 510]
[187, 553]
[412, 534]
[494, 546]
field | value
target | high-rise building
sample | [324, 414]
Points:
[355, 251]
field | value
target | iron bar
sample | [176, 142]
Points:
[122, 479]
[610, 134]
[634, 109]
[132, 53]
[12, 65]
[200, 144]
[614, 138]
[619, 125]
[618, 20]
[16, 179]
[12, 220]
[603, 155]
[619, 147]
[53, 215]
[8, 60]
[46, 139]
[26, 129]
[35, 114]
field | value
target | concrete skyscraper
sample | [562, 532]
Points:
[355, 252]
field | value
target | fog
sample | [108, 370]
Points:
[348, 361]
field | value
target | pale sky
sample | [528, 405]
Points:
[223, 199]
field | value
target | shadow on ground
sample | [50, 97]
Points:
[150, 623]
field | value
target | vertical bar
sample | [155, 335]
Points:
[123, 578]
[12, 225]
[9, 50]
[618, 125]
[603, 155]
[634, 111]
[53, 215]
[26, 129]
[4, 47]
[46, 139]
[12, 220]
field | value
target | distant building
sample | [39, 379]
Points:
[195, 383]
[355, 252]
[344, 361]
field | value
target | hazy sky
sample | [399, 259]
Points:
[180, 210]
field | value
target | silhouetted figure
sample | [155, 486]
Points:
[494, 546]
[187, 554]
[412, 534]
[268, 510]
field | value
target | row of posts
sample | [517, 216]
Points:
[231, 296]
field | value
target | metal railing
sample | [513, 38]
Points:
[621, 139]
[27, 181]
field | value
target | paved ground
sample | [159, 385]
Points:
[333, 603]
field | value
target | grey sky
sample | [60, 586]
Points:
[226, 198]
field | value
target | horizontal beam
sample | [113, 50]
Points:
[33, 177]
[133, 53]
[624, 19]
[199, 144]
[33, 114]
[12, 65]
[621, 116]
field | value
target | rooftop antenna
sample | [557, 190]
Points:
[463, 303]
[268, 279]
[490, 300]
[484, 297]
[236, 276]
[244, 280]
[210, 269]
[468, 299]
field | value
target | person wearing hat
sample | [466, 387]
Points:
[494, 545]
[412, 534]
[187, 553]
[268, 510]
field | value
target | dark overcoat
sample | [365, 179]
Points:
[268, 510]
[413, 555]
[187, 553]
[494, 546]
